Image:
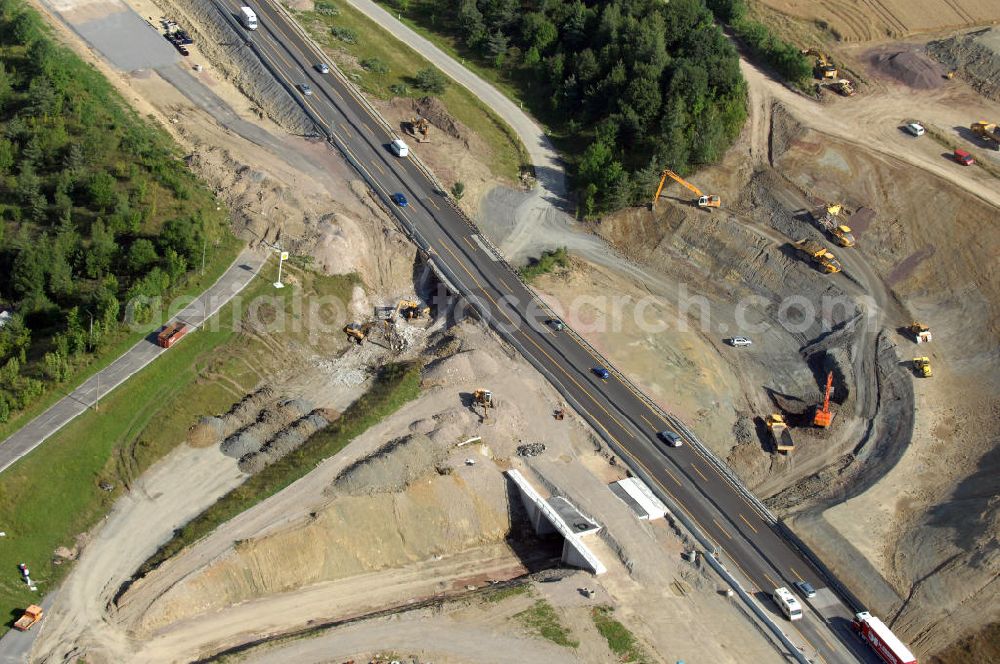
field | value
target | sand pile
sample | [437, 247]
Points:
[909, 67]
[975, 57]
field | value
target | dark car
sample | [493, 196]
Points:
[400, 200]
[805, 589]
[556, 324]
[601, 373]
[670, 438]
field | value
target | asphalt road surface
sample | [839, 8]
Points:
[746, 540]
[87, 395]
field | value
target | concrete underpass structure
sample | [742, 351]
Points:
[558, 515]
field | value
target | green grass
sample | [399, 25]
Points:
[51, 495]
[395, 385]
[547, 262]
[542, 619]
[621, 641]
[501, 594]
[219, 261]
[509, 155]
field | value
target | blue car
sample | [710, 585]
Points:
[601, 373]
[400, 200]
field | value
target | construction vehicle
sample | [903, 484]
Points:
[779, 432]
[483, 398]
[826, 218]
[921, 333]
[420, 128]
[819, 255]
[823, 416]
[844, 87]
[357, 332]
[703, 200]
[988, 131]
[410, 309]
[824, 68]
[876, 634]
[922, 365]
[169, 335]
[31, 615]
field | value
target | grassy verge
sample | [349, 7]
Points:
[542, 619]
[547, 262]
[220, 260]
[399, 66]
[621, 641]
[394, 386]
[50, 496]
[497, 596]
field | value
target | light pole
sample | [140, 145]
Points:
[282, 257]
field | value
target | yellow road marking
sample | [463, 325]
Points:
[677, 481]
[750, 525]
[346, 130]
[469, 242]
[724, 531]
[795, 573]
[651, 425]
[770, 580]
[700, 474]
[434, 203]
[370, 130]
[378, 166]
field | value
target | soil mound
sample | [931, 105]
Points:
[392, 468]
[975, 57]
[206, 433]
[910, 67]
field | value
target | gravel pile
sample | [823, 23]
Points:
[268, 423]
[530, 449]
[976, 58]
[284, 442]
[392, 468]
[910, 67]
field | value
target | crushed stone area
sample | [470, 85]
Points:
[975, 57]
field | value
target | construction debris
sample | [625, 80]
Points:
[530, 449]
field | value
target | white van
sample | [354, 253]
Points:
[399, 148]
[249, 18]
[788, 604]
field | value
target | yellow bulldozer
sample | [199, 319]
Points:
[844, 87]
[357, 332]
[922, 365]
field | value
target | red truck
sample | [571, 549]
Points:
[881, 639]
[964, 158]
[171, 333]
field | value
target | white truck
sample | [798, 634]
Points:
[249, 18]
[399, 148]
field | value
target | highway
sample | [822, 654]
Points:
[624, 418]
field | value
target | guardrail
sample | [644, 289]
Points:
[443, 273]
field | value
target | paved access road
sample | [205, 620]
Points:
[625, 419]
[32, 434]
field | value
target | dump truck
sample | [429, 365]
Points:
[876, 634]
[988, 131]
[921, 333]
[827, 217]
[31, 615]
[780, 433]
[922, 365]
[819, 255]
[171, 334]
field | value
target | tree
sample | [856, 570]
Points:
[142, 255]
[101, 189]
[430, 80]
[101, 252]
[28, 273]
[458, 190]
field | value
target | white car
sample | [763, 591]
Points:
[915, 128]
[739, 342]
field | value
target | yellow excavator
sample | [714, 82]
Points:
[357, 332]
[824, 67]
[483, 398]
[703, 200]
[420, 128]
[921, 333]
[410, 309]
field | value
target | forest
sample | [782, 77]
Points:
[97, 207]
[626, 87]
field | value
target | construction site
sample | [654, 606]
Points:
[857, 262]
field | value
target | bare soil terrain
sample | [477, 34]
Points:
[867, 20]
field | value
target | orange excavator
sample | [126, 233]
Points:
[823, 415]
[703, 200]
